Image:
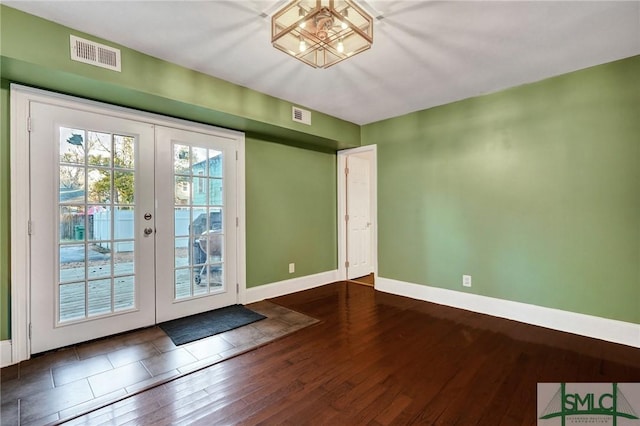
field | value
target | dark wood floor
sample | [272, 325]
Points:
[376, 359]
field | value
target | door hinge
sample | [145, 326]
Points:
[237, 222]
[346, 264]
[237, 288]
[29, 227]
[346, 170]
[346, 218]
[29, 124]
[30, 330]
[236, 155]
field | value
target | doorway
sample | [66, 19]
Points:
[133, 219]
[357, 214]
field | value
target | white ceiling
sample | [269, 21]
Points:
[425, 53]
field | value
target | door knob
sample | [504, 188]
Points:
[148, 231]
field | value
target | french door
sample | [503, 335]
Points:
[196, 221]
[132, 223]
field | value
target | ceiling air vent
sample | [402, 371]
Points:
[301, 115]
[93, 53]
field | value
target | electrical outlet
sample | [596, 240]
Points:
[466, 280]
[292, 268]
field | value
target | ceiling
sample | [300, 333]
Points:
[425, 53]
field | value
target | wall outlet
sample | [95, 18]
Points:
[466, 280]
[292, 268]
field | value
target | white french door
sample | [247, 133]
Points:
[132, 223]
[197, 220]
[91, 183]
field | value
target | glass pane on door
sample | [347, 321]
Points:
[96, 224]
[198, 221]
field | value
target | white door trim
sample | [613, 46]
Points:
[20, 99]
[20, 244]
[342, 207]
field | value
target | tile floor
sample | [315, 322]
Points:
[62, 384]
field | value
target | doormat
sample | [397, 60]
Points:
[199, 326]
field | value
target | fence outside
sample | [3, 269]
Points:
[124, 228]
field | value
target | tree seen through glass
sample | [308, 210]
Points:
[109, 160]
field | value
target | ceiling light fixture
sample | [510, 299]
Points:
[322, 33]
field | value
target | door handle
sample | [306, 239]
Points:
[148, 231]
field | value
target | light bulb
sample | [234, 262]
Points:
[345, 14]
[303, 45]
[340, 46]
[301, 14]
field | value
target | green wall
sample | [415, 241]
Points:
[291, 212]
[534, 191]
[291, 192]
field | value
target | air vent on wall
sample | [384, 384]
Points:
[93, 53]
[301, 115]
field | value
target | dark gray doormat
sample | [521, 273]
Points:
[199, 326]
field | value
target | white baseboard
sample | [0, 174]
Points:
[585, 325]
[280, 288]
[5, 353]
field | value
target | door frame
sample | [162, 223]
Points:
[20, 262]
[342, 208]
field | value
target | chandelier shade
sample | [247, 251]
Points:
[322, 33]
